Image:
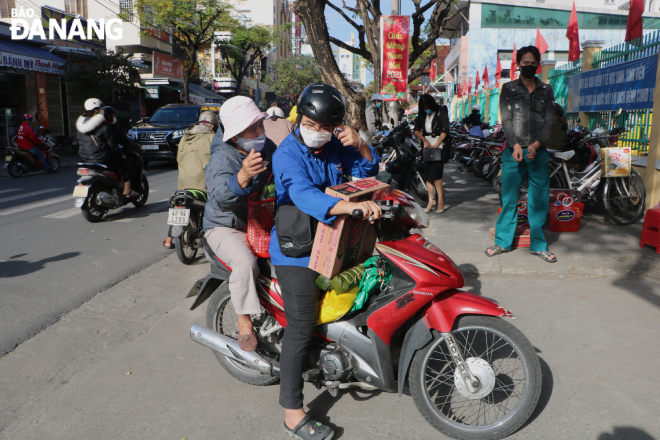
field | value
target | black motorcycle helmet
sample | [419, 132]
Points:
[322, 103]
[109, 112]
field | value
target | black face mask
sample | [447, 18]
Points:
[528, 71]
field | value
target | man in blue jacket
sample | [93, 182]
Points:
[308, 161]
[239, 166]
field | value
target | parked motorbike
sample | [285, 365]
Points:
[404, 168]
[60, 144]
[471, 374]
[100, 189]
[19, 162]
[186, 215]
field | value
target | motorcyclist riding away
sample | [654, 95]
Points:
[129, 147]
[98, 143]
[308, 161]
[28, 140]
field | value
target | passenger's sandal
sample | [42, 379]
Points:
[309, 429]
[497, 249]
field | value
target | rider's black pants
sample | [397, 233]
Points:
[301, 305]
[125, 167]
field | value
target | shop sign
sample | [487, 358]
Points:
[627, 86]
[152, 92]
[193, 99]
[166, 65]
[394, 46]
[29, 63]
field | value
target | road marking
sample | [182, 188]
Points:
[35, 193]
[9, 190]
[35, 205]
[146, 209]
[64, 214]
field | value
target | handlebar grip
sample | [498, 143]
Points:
[357, 213]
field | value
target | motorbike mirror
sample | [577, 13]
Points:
[618, 112]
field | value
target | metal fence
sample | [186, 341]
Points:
[494, 105]
[632, 50]
[558, 79]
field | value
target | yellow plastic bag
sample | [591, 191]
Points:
[334, 306]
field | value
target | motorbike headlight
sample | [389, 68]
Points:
[179, 133]
[417, 215]
[132, 133]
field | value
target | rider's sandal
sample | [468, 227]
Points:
[131, 194]
[497, 249]
[247, 342]
[545, 255]
[310, 429]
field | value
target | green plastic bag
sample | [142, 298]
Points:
[371, 282]
[342, 282]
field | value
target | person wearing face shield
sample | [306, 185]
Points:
[528, 116]
[308, 161]
[240, 165]
[374, 115]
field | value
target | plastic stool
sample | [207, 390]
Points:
[651, 231]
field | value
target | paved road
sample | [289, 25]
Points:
[52, 259]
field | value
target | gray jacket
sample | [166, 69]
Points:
[227, 201]
[527, 117]
[374, 120]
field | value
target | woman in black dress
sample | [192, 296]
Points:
[432, 127]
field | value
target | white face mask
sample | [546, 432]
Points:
[314, 139]
[256, 144]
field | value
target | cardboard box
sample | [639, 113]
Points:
[617, 162]
[348, 241]
[520, 239]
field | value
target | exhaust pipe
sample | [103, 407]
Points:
[228, 347]
[107, 199]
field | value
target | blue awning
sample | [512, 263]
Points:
[28, 50]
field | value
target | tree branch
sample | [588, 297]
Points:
[343, 14]
[348, 8]
[357, 51]
[417, 72]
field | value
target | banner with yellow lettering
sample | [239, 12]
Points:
[394, 46]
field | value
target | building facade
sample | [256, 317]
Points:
[485, 29]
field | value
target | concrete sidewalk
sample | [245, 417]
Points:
[598, 248]
[124, 367]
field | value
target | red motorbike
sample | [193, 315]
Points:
[471, 374]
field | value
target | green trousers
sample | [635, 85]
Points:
[538, 202]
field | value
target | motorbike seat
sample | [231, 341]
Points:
[266, 268]
[563, 156]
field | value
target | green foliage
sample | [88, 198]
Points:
[100, 75]
[246, 46]
[291, 75]
[368, 91]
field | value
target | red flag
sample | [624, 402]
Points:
[465, 88]
[432, 75]
[459, 90]
[541, 45]
[485, 77]
[469, 85]
[514, 63]
[476, 81]
[573, 37]
[634, 26]
[498, 70]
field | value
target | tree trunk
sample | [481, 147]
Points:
[312, 14]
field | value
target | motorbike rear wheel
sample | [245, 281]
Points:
[93, 212]
[625, 199]
[509, 374]
[183, 244]
[14, 169]
[221, 317]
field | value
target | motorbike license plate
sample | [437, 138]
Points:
[150, 147]
[80, 191]
[178, 217]
[7, 158]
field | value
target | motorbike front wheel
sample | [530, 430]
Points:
[144, 193]
[418, 189]
[184, 244]
[221, 317]
[625, 198]
[509, 374]
[54, 163]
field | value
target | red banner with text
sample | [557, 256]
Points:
[394, 46]
[167, 65]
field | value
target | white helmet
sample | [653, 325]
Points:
[208, 116]
[93, 103]
[275, 111]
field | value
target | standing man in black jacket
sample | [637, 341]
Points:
[98, 143]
